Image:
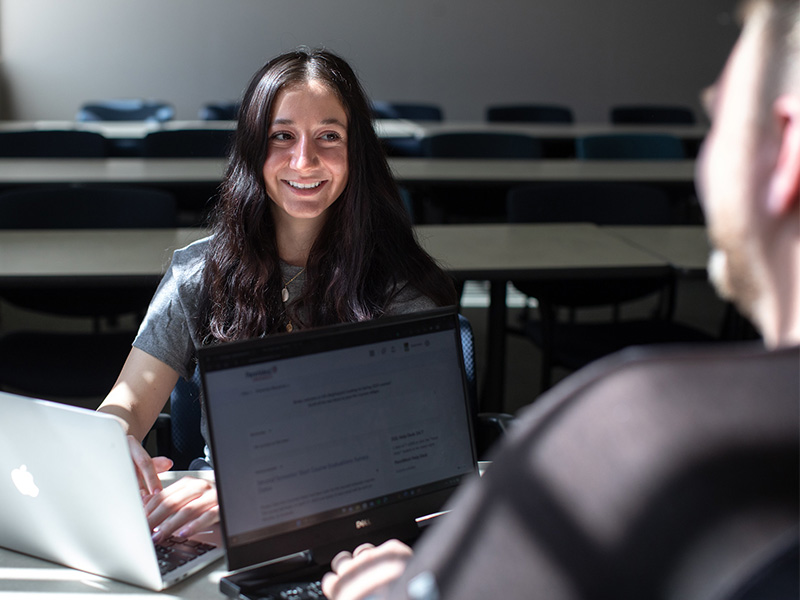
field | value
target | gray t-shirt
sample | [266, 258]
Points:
[170, 330]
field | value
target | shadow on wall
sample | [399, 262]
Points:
[6, 109]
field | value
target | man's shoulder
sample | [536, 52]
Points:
[678, 384]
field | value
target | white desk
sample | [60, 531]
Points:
[686, 248]
[159, 171]
[385, 128]
[489, 252]
[420, 129]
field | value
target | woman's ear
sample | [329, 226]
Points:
[784, 188]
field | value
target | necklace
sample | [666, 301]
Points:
[285, 290]
[285, 295]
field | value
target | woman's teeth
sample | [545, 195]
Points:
[304, 186]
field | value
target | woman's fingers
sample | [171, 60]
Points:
[187, 506]
[145, 469]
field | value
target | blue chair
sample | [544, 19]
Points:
[406, 110]
[52, 144]
[529, 113]
[126, 109]
[187, 143]
[633, 146]
[221, 111]
[647, 114]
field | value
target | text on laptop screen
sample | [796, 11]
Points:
[317, 432]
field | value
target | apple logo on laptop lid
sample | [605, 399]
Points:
[23, 480]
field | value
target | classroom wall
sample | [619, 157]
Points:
[461, 54]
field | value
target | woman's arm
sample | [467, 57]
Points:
[140, 393]
[138, 396]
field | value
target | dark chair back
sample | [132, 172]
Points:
[68, 207]
[185, 438]
[630, 147]
[187, 143]
[529, 113]
[86, 208]
[481, 145]
[126, 109]
[652, 115]
[404, 110]
[602, 203]
[52, 144]
[224, 111]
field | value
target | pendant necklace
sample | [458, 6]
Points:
[285, 294]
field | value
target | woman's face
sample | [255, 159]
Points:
[306, 167]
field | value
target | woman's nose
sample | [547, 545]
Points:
[305, 155]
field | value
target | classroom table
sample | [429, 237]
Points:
[175, 171]
[385, 128]
[493, 252]
[685, 247]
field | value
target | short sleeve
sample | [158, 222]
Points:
[170, 329]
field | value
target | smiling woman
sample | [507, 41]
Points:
[310, 230]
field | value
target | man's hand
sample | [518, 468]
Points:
[368, 571]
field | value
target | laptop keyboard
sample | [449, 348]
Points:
[304, 590]
[176, 551]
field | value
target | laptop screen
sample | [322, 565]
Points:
[326, 438]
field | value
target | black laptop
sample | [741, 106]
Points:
[328, 438]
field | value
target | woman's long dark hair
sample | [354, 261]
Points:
[366, 250]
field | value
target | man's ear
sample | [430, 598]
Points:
[784, 189]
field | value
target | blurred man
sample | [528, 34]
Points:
[668, 474]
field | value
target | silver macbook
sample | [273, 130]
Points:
[69, 494]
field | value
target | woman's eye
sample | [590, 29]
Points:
[331, 136]
[280, 136]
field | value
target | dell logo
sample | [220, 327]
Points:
[361, 523]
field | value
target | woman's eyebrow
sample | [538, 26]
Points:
[331, 121]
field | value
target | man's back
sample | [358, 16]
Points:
[652, 474]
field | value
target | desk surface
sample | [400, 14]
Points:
[387, 128]
[26, 171]
[34, 257]
[686, 248]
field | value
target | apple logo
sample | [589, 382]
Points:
[24, 482]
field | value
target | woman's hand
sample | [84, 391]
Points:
[368, 571]
[186, 507]
[147, 468]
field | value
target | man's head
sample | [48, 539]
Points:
[749, 171]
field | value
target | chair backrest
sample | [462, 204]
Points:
[126, 109]
[630, 147]
[601, 203]
[529, 113]
[67, 207]
[52, 144]
[468, 353]
[187, 143]
[481, 145]
[652, 114]
[187, 441]
[222, 111]
[405, 110]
